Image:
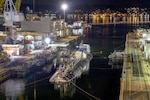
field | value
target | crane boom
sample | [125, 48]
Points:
[1, 6]
[17, 5]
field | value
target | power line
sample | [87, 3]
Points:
[96, 98]
[119, 46]
[37, 81]
[120, 67]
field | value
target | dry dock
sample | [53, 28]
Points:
[135, 79]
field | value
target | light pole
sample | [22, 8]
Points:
[64, 7]
[33, 5]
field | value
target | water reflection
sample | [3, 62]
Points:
[13, 88]
[66, 90]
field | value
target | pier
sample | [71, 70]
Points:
[135, 78]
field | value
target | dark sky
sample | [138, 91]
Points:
[86, 4]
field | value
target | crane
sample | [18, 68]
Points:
[1, 5]
[10, 13]
[17, 5]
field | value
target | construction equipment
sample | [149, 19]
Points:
[17, 5]
[1, 6]
[10, 13]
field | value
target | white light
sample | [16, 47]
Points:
[144, 35]
[148, 39]
[47, 40]
[64, 6]
[12, 51]
[32, 46]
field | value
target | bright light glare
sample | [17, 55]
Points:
[64, 6]
[32, 46]
[47, 40]
[144, 35]
[12, 51]
[148, 39]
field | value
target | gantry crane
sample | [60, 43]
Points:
[17, 5]
[10, 13]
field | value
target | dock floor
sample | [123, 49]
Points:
[135, 79]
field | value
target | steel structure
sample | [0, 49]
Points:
[17, 5]
[10, 13]
[1, 6]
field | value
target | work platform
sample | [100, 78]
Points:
[135, 78]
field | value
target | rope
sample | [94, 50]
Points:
[106, 68]
[96, 98]
[37, 81]
[119, 46]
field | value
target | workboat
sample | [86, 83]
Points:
[116, 57]
[72, 64]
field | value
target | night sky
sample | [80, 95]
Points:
[86, 4]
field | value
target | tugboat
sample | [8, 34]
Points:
[72, 64]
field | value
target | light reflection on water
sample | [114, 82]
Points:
[66, 90]
[13, 88]
[103, 83]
